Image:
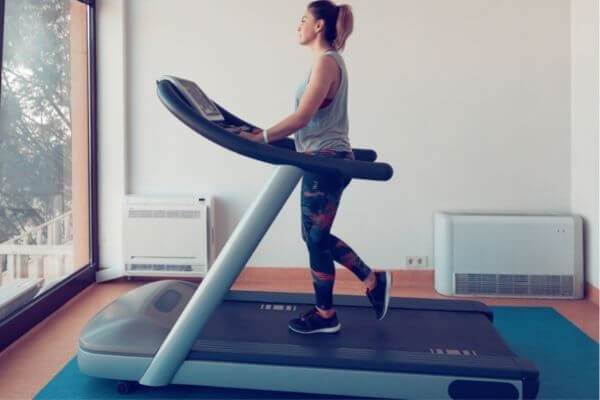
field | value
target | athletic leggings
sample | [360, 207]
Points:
[320, 199]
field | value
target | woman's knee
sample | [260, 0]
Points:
[317, 242]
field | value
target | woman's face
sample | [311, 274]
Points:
[308, 28]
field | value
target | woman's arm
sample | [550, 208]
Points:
[322, 76]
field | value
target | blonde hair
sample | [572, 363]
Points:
[343, 26]
[339, 21]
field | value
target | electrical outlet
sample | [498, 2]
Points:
[421, 261]
[410, 262]
[416, 261]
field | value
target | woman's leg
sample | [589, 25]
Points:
[319, 201]
[343, 254]
[320, 198]
[319, 205]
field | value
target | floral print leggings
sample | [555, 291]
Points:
[320, 198]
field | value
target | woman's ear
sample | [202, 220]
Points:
[319, 25]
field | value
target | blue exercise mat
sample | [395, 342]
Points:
[565, 356]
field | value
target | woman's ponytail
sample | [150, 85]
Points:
[343, 26]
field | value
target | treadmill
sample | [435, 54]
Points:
[177, 332]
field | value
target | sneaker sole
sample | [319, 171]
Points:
[333, 329]
[388, 287]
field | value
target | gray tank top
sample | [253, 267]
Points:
[328, 129]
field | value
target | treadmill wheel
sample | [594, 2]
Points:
[125, 387]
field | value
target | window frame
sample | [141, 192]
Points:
[1, 35]
[18, 323]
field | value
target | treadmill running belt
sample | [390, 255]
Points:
[407, 340]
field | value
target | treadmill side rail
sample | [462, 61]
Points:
[392, 385]
[334, 381]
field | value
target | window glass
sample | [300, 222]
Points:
[44, 173]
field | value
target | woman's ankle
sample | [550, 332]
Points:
[371, 281]
[326, 313]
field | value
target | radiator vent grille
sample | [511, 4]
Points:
[160, 267]
[133, 213]
[521, 285]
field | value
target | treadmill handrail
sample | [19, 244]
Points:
[278, 153]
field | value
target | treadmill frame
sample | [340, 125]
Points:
[419, 374]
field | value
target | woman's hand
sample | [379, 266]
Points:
[254, 136]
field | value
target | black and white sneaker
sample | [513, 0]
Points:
[312, 322]
[380, 296]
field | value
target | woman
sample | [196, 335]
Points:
[320, 124]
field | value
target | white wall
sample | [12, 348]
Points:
[584, 126]
[469, 100]
[110, 53]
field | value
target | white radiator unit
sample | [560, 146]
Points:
[508, 255]
[168, 236]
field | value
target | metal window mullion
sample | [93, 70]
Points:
[1, 37]
[92, 136]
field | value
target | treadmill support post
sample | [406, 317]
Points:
[222, 274]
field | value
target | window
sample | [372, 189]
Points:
[45, 173]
